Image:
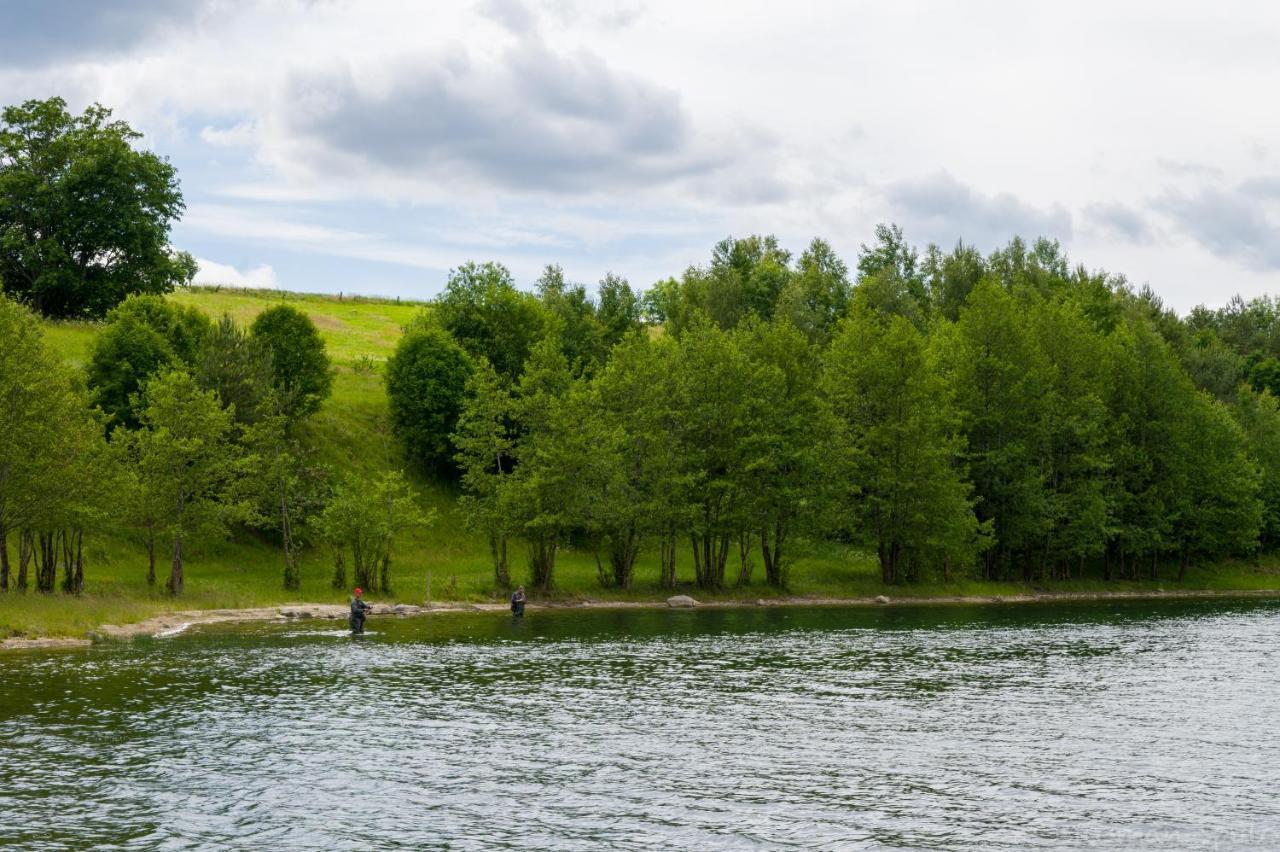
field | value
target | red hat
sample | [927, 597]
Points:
[359, 591]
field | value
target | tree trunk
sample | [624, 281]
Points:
[498, 550]
[151, 554]
[175, 570]
[667, 560]
[744, 560]
[385, 574]
[68, 569]
[46, 562]
[4, 559]
[26, 549]
[292, 578]
[339, 569]
[78, 581]
[542, 560]
[623, 551]
[1155, 555]
[772, 553]
[1182, 565]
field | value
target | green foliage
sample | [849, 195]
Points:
[143, 335]
[426, 387]
[238, 368]
[186, 469]
[365, 519]
[54, 474]
[620, 311]
[301, 374]
[485, 443]
[572, 315]
[817, 296]
[901, 449]
[84, 215]
[484, 312]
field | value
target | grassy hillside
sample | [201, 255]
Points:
[351, 434]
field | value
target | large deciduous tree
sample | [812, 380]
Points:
[484, 312]
[900, 440]
[143, 336]
[426, 388]
[189, 472]
[84, 213]
[300, 370]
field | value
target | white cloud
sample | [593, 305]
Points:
[601, 134]
[261, 277]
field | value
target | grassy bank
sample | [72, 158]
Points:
[351, 434]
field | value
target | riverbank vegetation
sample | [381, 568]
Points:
[762, 424]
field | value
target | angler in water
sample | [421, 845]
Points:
[517, 602]
[358, 610]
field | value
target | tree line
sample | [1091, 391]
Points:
[1008, 416]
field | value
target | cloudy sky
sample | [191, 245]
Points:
[370, 146]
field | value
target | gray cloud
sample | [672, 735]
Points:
[1240, 222]
[43, 32]
[941, 209]
[535, 120]
[1119, 221]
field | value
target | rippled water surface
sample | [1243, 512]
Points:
[1117, 726]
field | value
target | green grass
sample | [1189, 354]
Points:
[351, 433]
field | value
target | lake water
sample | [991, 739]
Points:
[1134, 725]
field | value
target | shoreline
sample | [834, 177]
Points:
[177, 622]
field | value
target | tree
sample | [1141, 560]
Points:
[300, 370]
[237, 367]
[574, 315]
[1223, 512]
[817, 296]
[366, 519]
[647, 496]
[84, 215]
[485, 441]
[186, 464]
[484, 312]
[1259, 418]
[143, 335]
[1073, 456]
[902, 450]
[892, 267]
[543, 494]
[426, 388]
[619, 311]
[54, 481]
[720, 393]
[290, 488]
[791, 466]
[1001, 379]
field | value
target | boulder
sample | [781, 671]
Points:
[881, 599]
[681, 601]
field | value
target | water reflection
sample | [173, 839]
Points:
[1119, 725]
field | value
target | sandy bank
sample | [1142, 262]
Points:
[174, 623]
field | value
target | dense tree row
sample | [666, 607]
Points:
[1008, 415]
[183, 430]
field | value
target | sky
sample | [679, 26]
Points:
[371, 146]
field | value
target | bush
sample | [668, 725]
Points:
[143, 335]
[426, 386]
[300, 367]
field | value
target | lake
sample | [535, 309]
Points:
[1116, 725]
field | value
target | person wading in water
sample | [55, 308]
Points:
[517, 602]
[358, 609]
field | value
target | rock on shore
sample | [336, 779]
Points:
[681, 601]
